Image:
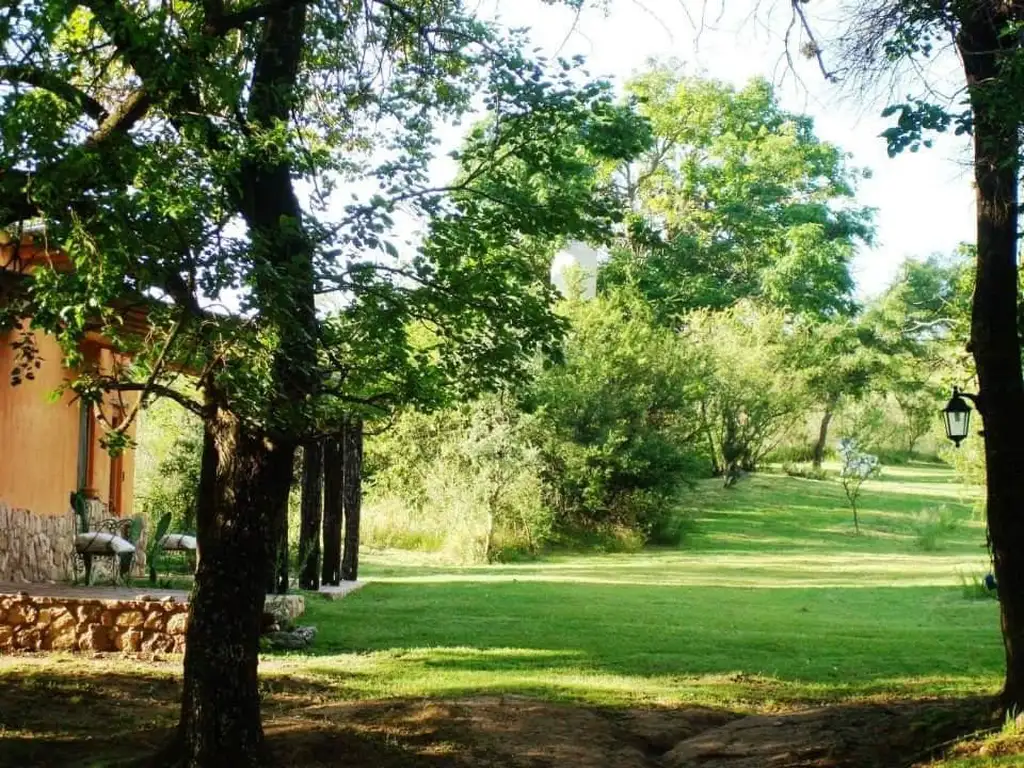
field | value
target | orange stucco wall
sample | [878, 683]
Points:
[43, 435]
[38, 437]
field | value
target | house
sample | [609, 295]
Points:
[51, 448]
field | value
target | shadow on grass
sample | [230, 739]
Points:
[310, 724]
[827, 635]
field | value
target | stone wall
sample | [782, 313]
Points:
[35, 547]
[72, 624]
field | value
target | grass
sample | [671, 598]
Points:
[772, 603]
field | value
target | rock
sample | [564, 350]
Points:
[288, 606]
[130, 641]
[177, 624]
[155, 621]
[297, 639]
[131, 619]
[62, 623]
[21, 614]
[96, 638]
[63, 640]
[158, 643]
[88, 613]
[6, 633]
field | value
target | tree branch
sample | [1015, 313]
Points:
[48, 81]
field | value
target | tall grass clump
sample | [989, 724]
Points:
[932, 526]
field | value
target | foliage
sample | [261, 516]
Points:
[154, 550]
[750, 392]
[464, 481]
[934, 525]
[615, 419]
[735, 199]
[856, 468]
[167, 467]
[805, 471]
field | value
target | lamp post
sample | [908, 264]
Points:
[957, 415]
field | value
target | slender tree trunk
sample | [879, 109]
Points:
[312, 510]
[244, 474]
[333, 485]
[994, 336]
[826, 421]
[277, 548]
[353, 495]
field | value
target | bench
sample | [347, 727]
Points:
[97, 535]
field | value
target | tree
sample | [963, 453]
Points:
[735, 199]
[311, 514]
[162, 147]
[753, 390]
[837, 363]
[887, 33]
[616, 420]
[352, 496]
[857, 467]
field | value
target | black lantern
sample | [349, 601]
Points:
[957, 417]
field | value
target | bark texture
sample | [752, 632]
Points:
[353, 497]
[243, 475]
[311, 513]
[247, 471]
[819, 446]
[333, 485]
[994, 337]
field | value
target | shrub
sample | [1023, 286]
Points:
[464, 482]
[933, 525]
[170, 446]
[805, 471]
[615, 421]
[973, 587]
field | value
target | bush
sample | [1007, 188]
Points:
[805, 471]
[465, 482]
[614, 420]
[973, 587]
[170, 447]
[931, 526]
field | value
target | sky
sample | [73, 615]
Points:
[924, 201]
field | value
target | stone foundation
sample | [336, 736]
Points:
[71, 624]
[35, 547]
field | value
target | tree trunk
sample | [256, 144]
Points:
[244, 475]
[277, 547]
[333, 485]
[994, 337]
[312, 509]
[819, 447]
[353, 496]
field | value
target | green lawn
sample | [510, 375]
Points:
[771, 601]
[771, 604]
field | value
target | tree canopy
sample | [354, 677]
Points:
[737, 198]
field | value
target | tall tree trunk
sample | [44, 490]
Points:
[353, 495]
[311, 511]
[252, 470]
[277, 548]
[994, 336]
[243, 475]
[333, 485]
[826, 420]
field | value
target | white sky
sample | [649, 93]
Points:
[925, 201]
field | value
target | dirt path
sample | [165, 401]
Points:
[520, 732]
